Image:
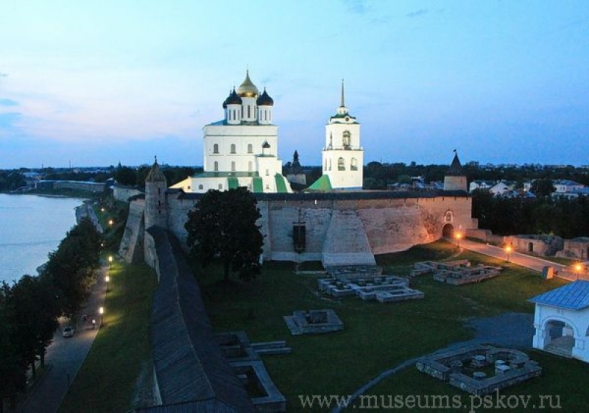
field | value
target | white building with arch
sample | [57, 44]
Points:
[242, 148]
[561, 320]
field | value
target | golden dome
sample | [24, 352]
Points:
[247, 88]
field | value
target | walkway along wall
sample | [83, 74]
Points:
[188, 364]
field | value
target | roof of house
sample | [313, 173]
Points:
[573, 296]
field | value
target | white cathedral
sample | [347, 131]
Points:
[242, 149]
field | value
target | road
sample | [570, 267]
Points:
[524, 260]
[66, 355]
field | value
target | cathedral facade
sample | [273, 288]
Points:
[242, 148]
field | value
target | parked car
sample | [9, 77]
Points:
[68, 331]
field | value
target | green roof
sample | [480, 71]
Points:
[258, 186]
[232, 182]
[280, 185]
[321, 184]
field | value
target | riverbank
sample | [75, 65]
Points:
[31, 227]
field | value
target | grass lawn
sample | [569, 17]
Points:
[107, 379]
[376, 336]
[564, 381]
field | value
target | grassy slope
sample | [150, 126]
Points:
[376, 336]
[106, 381]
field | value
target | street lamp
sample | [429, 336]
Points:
[110, 222]
[107, 279]
[578, 268]
[101, 312]
[508, 250]
[458, 236]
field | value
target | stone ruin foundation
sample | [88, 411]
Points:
[313, 322]
[456, 272]
[479, 369]
[367, 283]
[244, 358]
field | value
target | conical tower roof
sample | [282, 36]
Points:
[455, 167]
[155, 174]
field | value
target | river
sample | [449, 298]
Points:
[30, 228]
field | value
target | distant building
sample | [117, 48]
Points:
[295, 173]
[567, 188]
[480, 184]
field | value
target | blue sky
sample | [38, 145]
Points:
[102, 82]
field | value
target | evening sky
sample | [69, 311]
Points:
[101, 82]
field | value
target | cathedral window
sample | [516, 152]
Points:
[267, 172]
[330, 164]
[354, 165]
[249, 111]
[232, 148]
[233, 166]
[341, 166]
[220, 186]
[216, 148]
[325, 166]
[249, 166]
[250, 148]
[200, 187]
[448, 217]
[216, 166]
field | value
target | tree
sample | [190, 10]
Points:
[12, 367]
[125, 175]
[35, 317]
[72, 266]
[224, 224]
[542, 187]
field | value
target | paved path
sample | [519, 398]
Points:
[66, 355]
[524, 260]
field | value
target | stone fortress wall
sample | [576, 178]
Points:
[343, 228]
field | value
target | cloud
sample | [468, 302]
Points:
[356, 6]
[418, 13]
[8, 102]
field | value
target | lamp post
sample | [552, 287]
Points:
[508, 251]
[458, 236]
[101, 312]
[578, 268]
[107, 279]
[110, 222]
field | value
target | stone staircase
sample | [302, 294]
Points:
[561, 346]
[346, 242]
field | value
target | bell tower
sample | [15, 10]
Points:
[343, 157]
